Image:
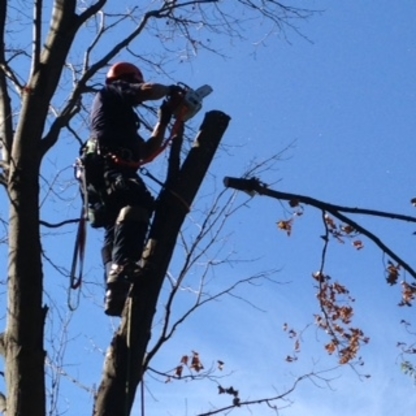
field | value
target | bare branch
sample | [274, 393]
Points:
[69, 110]
[209, 234]
[6, 69]
[100, 32]
[37, 34]
[269, 401]
[254, 186]
[6, 122]
[91, 11]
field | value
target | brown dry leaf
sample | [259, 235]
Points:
[292, 333]
[178, 371]
[320, 322]
[330, 222]
[294, 203]
[339, 329]
[393, 274]
[319, 276]
[331, 348]
[348, 229]
[345, 359]
[345, 314]
[413, 202]
[358, 244]
[220, 365]
[408, 294]
[196, 363]
[184, 360]
[340, 288]
[285, 226]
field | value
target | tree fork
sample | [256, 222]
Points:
[125, 359]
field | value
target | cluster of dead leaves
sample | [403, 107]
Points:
[287, 225]
[393, 273]
[336, 318]
[342, 232]
[408, 294]
[193, 363]
[232, 392]
[408, 289]
[295, 336]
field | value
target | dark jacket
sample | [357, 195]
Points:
[114, 123]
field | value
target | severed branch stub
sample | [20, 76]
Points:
[250, 186]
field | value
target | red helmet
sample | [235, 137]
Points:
[124, 69]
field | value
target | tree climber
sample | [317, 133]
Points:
[117, 197]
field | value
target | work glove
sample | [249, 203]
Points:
[176, 90]
[165, 112]
[175, 96]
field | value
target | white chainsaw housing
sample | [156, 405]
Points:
[192, 101]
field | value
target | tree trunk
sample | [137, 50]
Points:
[23, 340]
[123, 367]
[25, 355]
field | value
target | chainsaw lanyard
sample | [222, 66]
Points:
[75, 276]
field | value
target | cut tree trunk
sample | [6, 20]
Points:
[123, 368]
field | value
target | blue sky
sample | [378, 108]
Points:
[344, 102]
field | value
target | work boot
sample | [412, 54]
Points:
[118, 285]
[115, 298]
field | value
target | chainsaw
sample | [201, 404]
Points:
[192, 101]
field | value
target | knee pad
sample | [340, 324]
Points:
[133, 213]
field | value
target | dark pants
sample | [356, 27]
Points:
[125, 234]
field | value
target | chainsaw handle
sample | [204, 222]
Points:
[183, 86]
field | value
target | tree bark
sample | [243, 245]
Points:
[25, 355]
[124, 363]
